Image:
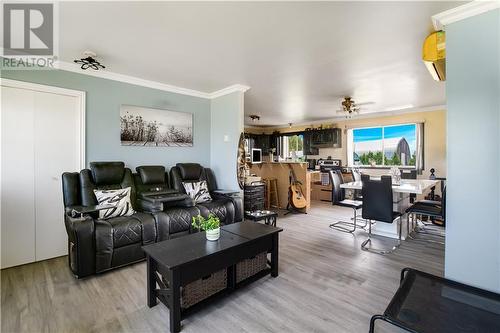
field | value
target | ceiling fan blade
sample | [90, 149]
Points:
[364, 103]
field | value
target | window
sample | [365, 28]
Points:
[292, 146]
[383, 146]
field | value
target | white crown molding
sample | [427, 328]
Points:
[229, 90]
[441, 20]
[104, 74]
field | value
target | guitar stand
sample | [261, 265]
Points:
[292, 210]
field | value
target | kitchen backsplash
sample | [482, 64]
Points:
[335, 153]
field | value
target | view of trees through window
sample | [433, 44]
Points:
[293, 146]
[388, 145]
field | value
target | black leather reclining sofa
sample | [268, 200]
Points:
[97, 245]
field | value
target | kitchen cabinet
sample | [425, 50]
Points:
[263, 142]
[308, 147]
[321, 192]
[249, 142]
[273, 142]
[327, 138]
[337, 138]
[266, 142]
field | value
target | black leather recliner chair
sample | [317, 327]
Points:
[96, 245]
[179, 209]
[227, 209]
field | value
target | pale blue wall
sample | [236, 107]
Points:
[103, 101]
[227, 120]
[473, 98]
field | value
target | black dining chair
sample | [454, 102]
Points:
[338, 199]
[432, 209]
[410, 174]
[378, 206]
[356, 177]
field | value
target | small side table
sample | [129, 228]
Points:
[269, 217]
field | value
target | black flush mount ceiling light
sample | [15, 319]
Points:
[89, 61]
[254, 118]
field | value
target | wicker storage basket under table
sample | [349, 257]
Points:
[203, 288]
[250, 267]
[198, 290]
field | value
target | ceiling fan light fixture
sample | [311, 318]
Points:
[349, 107]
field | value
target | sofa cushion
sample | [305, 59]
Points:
[119, 199]
[126, 230]
[152, 174]
[107, 173]
[198, 191]
[216, 207]
[180, 219]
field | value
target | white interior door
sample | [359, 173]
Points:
[41, 138]
[18, 196]
[57, 124]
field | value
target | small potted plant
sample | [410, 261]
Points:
[211, 225]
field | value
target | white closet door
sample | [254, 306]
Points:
[17, 201]
[41, 139]
[57, 141]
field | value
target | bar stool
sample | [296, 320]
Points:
[272, 198]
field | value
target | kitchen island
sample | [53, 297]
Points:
[281, 172]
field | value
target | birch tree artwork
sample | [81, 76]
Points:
[155, 128]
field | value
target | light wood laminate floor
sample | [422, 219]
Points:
[326, 284]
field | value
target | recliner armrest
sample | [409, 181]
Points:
[186, 202]
[148, 206]
[81, 250]
[235, 197]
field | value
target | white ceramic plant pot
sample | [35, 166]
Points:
[213, 235]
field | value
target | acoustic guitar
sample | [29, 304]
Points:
[296, 195]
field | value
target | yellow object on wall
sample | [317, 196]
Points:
[434, 47]
[434, 55]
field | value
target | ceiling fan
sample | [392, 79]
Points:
[350, 108]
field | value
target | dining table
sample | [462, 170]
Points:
[401, 201]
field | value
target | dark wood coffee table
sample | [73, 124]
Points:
[189, 258]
